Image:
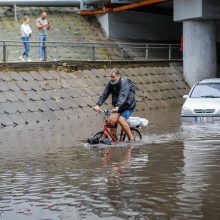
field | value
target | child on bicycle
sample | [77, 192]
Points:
[123, 101]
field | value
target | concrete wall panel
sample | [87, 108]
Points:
[103, 20]
[131, 25]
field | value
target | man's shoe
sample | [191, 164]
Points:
[131, 141]
[29, 60]
[22, 58]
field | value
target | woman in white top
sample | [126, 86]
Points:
[25, 36]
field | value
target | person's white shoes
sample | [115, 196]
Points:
[22, 58]
[42, 60]
[29, 60]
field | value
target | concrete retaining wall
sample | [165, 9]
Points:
[132, 25]
[42, 96]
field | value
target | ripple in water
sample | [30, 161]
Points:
[173, 174]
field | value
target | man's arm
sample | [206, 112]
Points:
[104, 95]
[124, 92]
[39, 25]
[48, 25]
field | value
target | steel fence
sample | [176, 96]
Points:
[92, 51]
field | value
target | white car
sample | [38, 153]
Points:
[203, 99]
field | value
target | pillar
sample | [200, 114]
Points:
[199, 50]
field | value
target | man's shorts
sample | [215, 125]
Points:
[126, 114]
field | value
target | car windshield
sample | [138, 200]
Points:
[206, 90]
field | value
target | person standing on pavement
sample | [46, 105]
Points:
[25, 36]
[43, 27]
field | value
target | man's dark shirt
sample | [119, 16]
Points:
[122, 96]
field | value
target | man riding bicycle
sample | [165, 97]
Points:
[123, 101]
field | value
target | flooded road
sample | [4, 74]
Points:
[48, 172]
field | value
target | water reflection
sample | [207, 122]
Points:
[47, 172]
[200, 189]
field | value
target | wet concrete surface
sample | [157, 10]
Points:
[47, 171]
[44, 96]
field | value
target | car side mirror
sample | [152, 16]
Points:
[185, 96]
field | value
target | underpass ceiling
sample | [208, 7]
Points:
[104, 6]
[160, 8]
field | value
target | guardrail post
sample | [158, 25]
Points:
[4, 52]
[15, 12]
[170, 51]
[122, 53]
[147, 51]
[93, 53]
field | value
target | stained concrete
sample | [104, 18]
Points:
[199, 54]
[52, 99]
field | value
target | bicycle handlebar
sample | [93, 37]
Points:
[106, 112]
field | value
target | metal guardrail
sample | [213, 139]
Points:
[95, 51]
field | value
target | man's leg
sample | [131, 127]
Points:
[44, 47]
[123, 122]
[40, 46]
[114, 118]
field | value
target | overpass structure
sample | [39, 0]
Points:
[157, 21]
[199, 29]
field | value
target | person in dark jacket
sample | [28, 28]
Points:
[123, 101]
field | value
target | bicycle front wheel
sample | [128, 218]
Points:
[95, 139]
[99, 134]
[136, 133]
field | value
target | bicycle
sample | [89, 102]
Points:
[106, 134]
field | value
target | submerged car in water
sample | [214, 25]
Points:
[203, 99]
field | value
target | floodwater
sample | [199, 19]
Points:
[48, 172]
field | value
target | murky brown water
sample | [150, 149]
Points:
[47, 172]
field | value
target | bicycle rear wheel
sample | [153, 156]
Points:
[136, 133]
